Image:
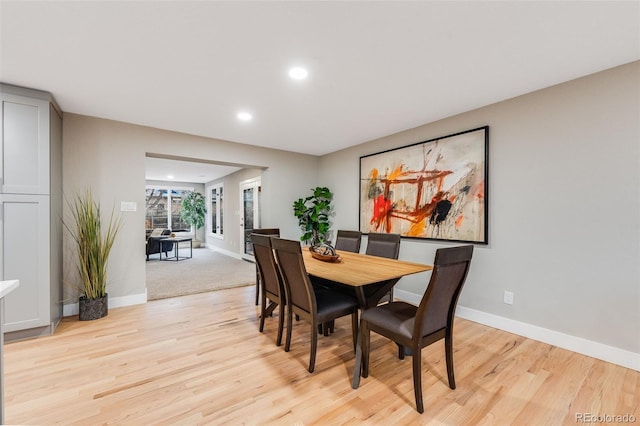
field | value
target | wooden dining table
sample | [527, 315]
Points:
[370, 276]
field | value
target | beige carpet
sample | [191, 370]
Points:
[208, 270]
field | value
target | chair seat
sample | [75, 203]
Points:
[332, 303]
[396, 317]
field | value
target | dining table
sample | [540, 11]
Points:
[370, 276]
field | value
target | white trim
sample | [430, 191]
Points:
[582, 346]
[113, 302]
[227, 252]
[407, 296]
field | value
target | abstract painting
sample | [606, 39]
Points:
[436, 189]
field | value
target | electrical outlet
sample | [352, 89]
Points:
[508, 298]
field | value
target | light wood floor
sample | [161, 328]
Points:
[200, 360]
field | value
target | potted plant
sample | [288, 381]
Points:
[193, 211]
[313, 215]
[93, 248]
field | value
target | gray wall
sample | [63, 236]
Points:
[564, 202]
[564, 215]
[109, 157]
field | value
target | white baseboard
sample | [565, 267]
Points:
[590, 348]
[226, 252]
[114, 302]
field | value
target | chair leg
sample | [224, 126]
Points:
[400, 351]
[314, 346]
[287, 344]
[257, 286]
[366, 348]
[263, 312]
[280, 323]
[448, 350]
[354, 329]
[357, 369]
[417, 378]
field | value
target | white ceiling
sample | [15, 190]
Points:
[375, 68]
[166, 169]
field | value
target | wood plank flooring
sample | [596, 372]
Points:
[200, 359]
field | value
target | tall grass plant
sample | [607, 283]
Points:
[92, 244]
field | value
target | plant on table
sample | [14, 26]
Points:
[313, 215]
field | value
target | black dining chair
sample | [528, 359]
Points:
[263, 231]
[315, 305]
[348, 240]
[384, 245]
[415, 327]
[272, 288]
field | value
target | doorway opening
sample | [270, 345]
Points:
[219, 263]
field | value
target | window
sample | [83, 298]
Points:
[216, 227]
[163, 206]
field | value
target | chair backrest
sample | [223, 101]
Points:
[383, 245]
[294, 274]
[266, 263]
[348, 240]
[438, 304]
[267, 231]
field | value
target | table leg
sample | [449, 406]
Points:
[362, 298]
[372, 293]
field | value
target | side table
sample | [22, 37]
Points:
[176, 248]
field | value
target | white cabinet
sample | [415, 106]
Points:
[25, 145]
[31, 211]
[25, 256]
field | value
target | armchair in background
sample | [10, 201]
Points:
[156, 245]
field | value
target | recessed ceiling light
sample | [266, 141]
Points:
[244, 116]
[298, 73]
[169, 176]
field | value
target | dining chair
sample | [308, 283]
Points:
[384, 245]
[263, 231]
[348, 240]
[270, 281]
[315, 305]
[415, 327]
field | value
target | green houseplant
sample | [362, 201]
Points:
[193, 211]
[93, 246]
[313, 215]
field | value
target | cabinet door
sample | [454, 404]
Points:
[24, 256]
[24, 157]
